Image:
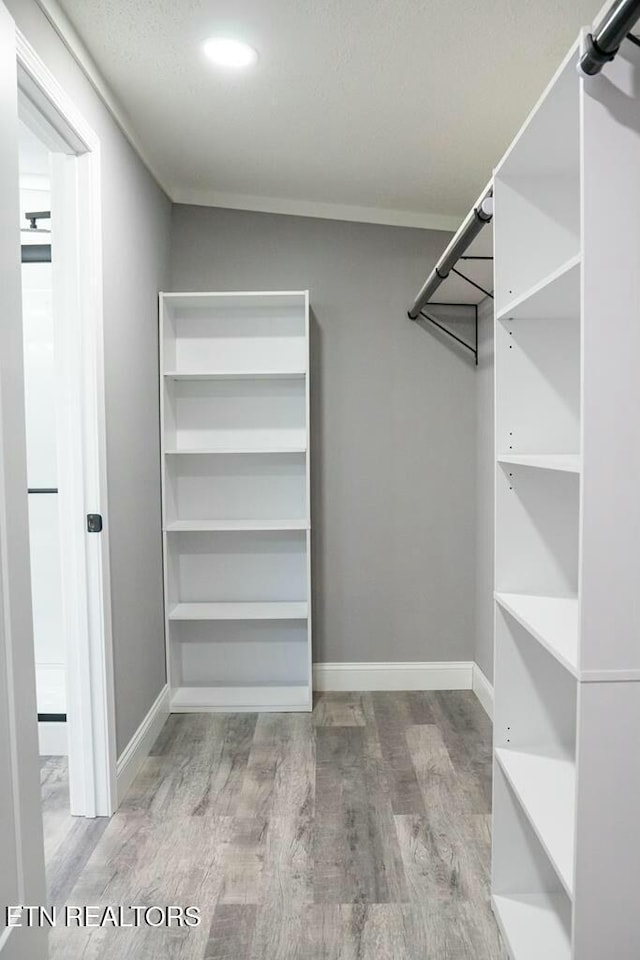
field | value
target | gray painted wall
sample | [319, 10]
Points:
[136, 225]
[484, 492]
[393, 426]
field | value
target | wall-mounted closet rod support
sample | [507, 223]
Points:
[603, 44]
[473, 283]
[34, 216]
[473, 348]
[473, 223]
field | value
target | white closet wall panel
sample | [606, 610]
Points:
[244, 414]
[611, 385]
[537, 543]
[246, 487]
[236, 333]
[238, 566]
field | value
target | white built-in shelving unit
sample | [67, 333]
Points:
[236, 499]
[567, 646]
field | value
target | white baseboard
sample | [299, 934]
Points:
[455, 675]
[52, 739]
[483, 690]
[137, 750]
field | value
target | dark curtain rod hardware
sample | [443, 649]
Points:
[36, 215]
[604, 43]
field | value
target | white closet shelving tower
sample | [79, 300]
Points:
[567, 649]
[236, 511]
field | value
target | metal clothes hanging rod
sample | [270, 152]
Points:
[476, 219]
[604, 43]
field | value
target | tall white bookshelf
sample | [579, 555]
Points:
[234, 370]
[566, 843]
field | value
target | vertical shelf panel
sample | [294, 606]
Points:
[537, 236]
[611, 387]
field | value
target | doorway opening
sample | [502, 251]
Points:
[60, 243]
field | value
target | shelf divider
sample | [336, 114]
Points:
[565, 462]
[556, 296]
[552, 621]
[235, 375]
[544, 782]
[252, 698]
[251, 526]
[284, 610]
[531, 926]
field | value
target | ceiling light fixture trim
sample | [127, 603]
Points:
[230, 53]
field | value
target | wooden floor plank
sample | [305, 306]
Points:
[280, 770]
[338, 710]
[197, 777]
[356, 856]
[69, 841]
[394, 713]
[466, 732]
[231, 932]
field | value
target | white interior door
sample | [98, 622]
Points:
[22, 874]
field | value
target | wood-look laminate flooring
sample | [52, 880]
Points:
[360, 832]
[68, 841]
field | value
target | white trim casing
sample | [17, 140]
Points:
[412, 675]
[21, 841]
[78, 50]
[483, 690]
[137, 750]
[90, 677]
[53, 739]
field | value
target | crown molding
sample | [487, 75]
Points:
[315, 209]
[78, 50]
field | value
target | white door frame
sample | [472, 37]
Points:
[82, 450]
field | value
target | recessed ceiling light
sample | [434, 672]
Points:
[225, 52]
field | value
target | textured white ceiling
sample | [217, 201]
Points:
[401, 105]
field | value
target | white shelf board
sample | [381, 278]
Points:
[235, 375]
[196, 526]
[555, 297]
[531, 926]
[552, 621]
[239, 611]
[544, 783]
[236, 449]
[252, 697]
[565, 462]
[219, 299]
